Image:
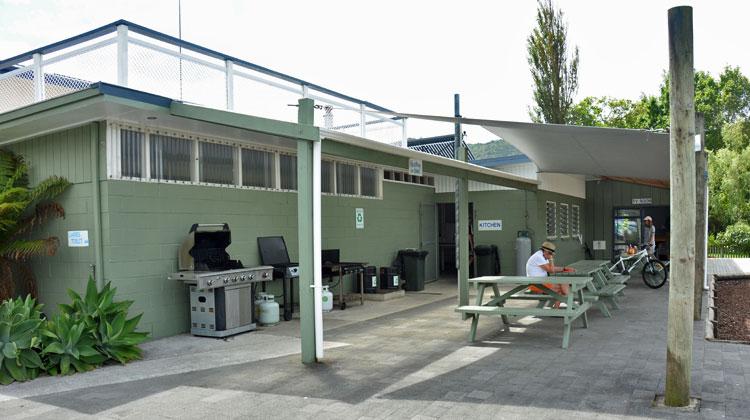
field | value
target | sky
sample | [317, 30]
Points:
[412, 56]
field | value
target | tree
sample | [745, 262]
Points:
[555, 79]
[736, 135]
[22, 209]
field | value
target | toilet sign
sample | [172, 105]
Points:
[359, 218]
[78, 238]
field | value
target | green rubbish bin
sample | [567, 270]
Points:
[488, 260]
[412, 268]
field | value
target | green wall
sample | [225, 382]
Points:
[519, 210]
[601, 199]
[67, 154]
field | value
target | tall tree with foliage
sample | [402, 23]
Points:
[555, 77]
[23, 208]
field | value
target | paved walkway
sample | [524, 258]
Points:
[411, 364]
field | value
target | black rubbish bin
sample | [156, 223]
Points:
[412, 268]
[488, 260]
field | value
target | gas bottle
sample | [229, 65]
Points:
[269, 311]
[257, 302]
[327, 298]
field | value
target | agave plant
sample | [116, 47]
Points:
[20, 320]
[67, 342]
[22, 208]
[106, 320]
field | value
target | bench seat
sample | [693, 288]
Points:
[511, 311]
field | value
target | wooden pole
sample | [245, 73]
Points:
[701, 224]
[681, 198]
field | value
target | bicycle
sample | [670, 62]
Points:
[653, 271]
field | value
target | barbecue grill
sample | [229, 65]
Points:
[221, 289]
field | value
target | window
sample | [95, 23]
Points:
[326, 173]
[564, 222]
[551, 218]
[346, 178]
[258, 168]
[131, 150]
[575, 220]
[170, 158]
[216, 163]
[288, 166]
[399, 176]
[368, 179]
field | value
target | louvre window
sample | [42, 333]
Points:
[346, 178]
[326, 182]
[368, 178]
[564, 222]
[288, 166]
[131, 151]
[170, 158]
[551, 219]
[398, 176]
[216, 163]
[575, 220]
[258, 168]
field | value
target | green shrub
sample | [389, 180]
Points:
[736, 237]
[20, 321]
[67, 342]
[105, 319]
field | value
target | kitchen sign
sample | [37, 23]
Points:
[490, 225]
[642, 200]
[415, 167]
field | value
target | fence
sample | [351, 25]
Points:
[133, 56]
[715, 251]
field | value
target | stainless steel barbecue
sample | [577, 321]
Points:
[221, 289]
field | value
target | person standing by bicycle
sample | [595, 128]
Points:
[649, 235]
[541, 263]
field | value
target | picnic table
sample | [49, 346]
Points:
[576, 301]
[584, 266]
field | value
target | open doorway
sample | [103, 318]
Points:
[447, 238]
[629, 228]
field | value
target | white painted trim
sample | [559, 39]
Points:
[88, 48]
[122, 55]
[362, 121]
[177, 55]
[39, 85]
[268, 82]
[229, 78]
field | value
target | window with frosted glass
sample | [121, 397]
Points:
[288, 169]
[575, 220]
[346, 179]
[170, 158]
[564, 224]
[368, 181]
[216, 163]
[131, 152]
[258, 168]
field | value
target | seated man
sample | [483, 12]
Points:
[541, 262]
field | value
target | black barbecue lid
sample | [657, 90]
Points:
[209, 247]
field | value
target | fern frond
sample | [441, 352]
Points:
[21, 250]
[49, 188]
[42, 213]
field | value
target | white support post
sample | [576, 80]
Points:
[305, 91]
[39, 93]
[362, 121]
[122, 55]
[317, 247]
[229, 76]
[404, 136]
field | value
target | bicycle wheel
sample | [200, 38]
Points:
[654, 274]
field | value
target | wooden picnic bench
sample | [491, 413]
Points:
[576, 301]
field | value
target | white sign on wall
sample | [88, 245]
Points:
[490, 225]
[642, 200]
[600, 245]
[78, 238]
[359, 218]
[415, 167]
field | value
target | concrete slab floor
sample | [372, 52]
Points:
[412, 362]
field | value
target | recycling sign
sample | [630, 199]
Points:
[359, 218]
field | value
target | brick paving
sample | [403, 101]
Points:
[417, 364]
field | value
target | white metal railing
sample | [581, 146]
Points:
[129, 55]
